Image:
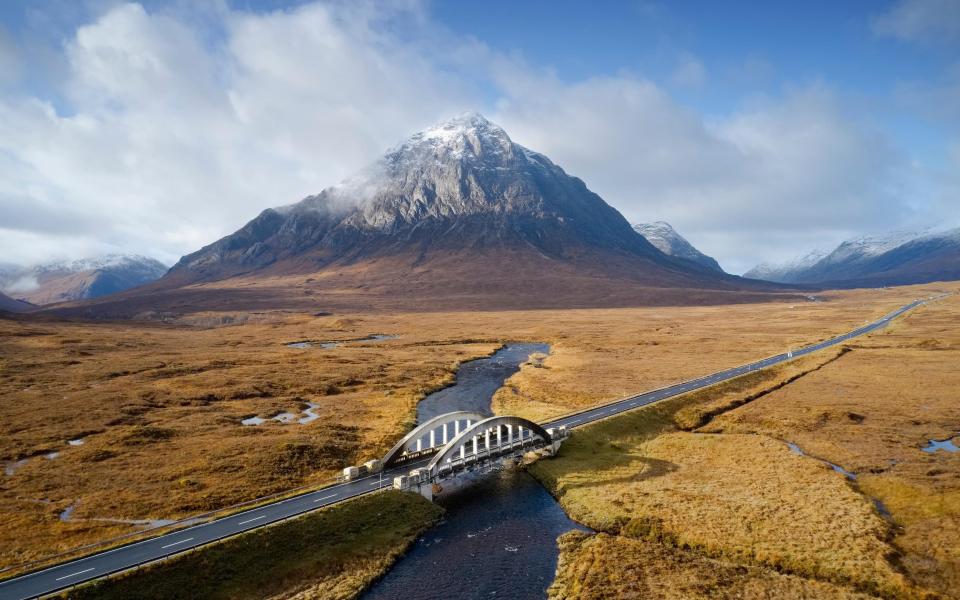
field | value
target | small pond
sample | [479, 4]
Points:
[305, 344]
[946, 445]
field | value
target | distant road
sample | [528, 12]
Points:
[119, 559]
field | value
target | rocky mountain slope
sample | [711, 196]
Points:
[9, 304]
[457, 215]
[666, 239]
[896, 258]
[86, 278]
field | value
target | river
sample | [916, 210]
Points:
[498, 538]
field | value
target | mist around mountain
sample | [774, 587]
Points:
[896, 258]
[68, 280]
[666, 239]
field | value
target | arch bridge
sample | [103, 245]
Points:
[455, 449]
[430, 437]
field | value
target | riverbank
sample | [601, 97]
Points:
[696, 515]
[333, 554]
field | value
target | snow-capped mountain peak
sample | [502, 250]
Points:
[666, 239]
[459, 186]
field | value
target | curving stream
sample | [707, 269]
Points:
[498, 538]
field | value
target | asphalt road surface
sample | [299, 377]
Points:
[119, 559]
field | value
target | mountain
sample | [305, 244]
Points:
[8, 304]
[456, 216]
[896, 258]
[64, 281]
[666, 239]
[785, 272]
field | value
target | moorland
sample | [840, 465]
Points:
[160, 410]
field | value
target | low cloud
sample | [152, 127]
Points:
[20, 285]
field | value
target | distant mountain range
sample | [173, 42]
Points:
[65, 281]
[896, 258]
[666, 239]
[457, 215]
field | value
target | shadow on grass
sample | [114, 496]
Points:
[643, 468]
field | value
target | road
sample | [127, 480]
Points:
[126, 557]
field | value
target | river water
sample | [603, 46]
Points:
[498, 538]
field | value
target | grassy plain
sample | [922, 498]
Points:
[159, 405]
[732, 491]
[872, 412]
[331, 554]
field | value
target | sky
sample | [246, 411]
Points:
[759, 130]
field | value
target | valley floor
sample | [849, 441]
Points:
[808, 480]
[155, 415]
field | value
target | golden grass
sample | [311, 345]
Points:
[159, 409]
[704, 405]
[871, 412]
[159, 405]
[744, 498]
[594, 567]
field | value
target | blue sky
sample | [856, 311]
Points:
[760, 130]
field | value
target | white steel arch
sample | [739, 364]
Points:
[413, 442]
[492, 427]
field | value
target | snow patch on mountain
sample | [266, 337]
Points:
[782, 271]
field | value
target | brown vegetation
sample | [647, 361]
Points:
[159, 405]
[594, 567]
[331, 554]
[747, 499]
[872, 412]
[739, 498]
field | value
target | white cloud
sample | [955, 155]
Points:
[769, 181]
[27, 283]
[176, 137]
[173, 143]
[922, 21]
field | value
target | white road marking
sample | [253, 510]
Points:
[325, 498]
[75, 574]
[374, 483]
[175, 544]
[251, 520]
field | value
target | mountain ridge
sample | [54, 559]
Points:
[13, 305]
[77, 279]
[896, 258]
